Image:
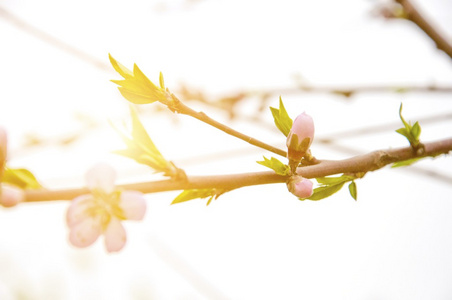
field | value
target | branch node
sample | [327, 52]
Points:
[419, 149]
[383, 158]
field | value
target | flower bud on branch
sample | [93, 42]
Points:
[299, 139]
[299, 186]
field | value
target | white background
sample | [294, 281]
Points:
[259, 242]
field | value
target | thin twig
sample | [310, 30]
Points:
[358, 164]
[183, 109]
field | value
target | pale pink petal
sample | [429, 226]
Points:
[85, 233]
[101, 176]
[133, 205]
[11, 195]
[303, 127]
[115, 235]
[77, 210]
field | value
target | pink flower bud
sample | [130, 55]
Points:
[300, 137]
[11, 195]
[300, 187]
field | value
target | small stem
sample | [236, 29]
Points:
[358, 164]
[181, 108]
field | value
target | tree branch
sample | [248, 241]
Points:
[358, 164]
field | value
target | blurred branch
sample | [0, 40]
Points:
[353, 90]
[358, 164]
[354, 132]
[411, 13]
[49, 39]
[190, 94]
[229, 101]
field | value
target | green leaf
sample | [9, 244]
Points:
[334, 180]
[325, 191]
[21, 178]
[405, 162]
[412, 133]
[329, 186]
[134, 97]
[161, 81]
[136, 86]
[140, 77]
[353, 191]
[282, 120]
[142, 149]
[192, 194]
[407, 126]
[123, 71]
[416, 131]
[275, 165]
[404, 132]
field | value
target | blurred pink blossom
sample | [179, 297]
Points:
[102, 211]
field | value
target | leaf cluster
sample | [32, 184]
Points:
[142, 149]
[136, 87]
[281, 118]
[411, 132]
[275, 165]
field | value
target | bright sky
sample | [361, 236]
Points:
[253, 243]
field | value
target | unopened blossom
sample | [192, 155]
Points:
[300, 137]
[9, 195]
[102, 211]
[300, 187]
